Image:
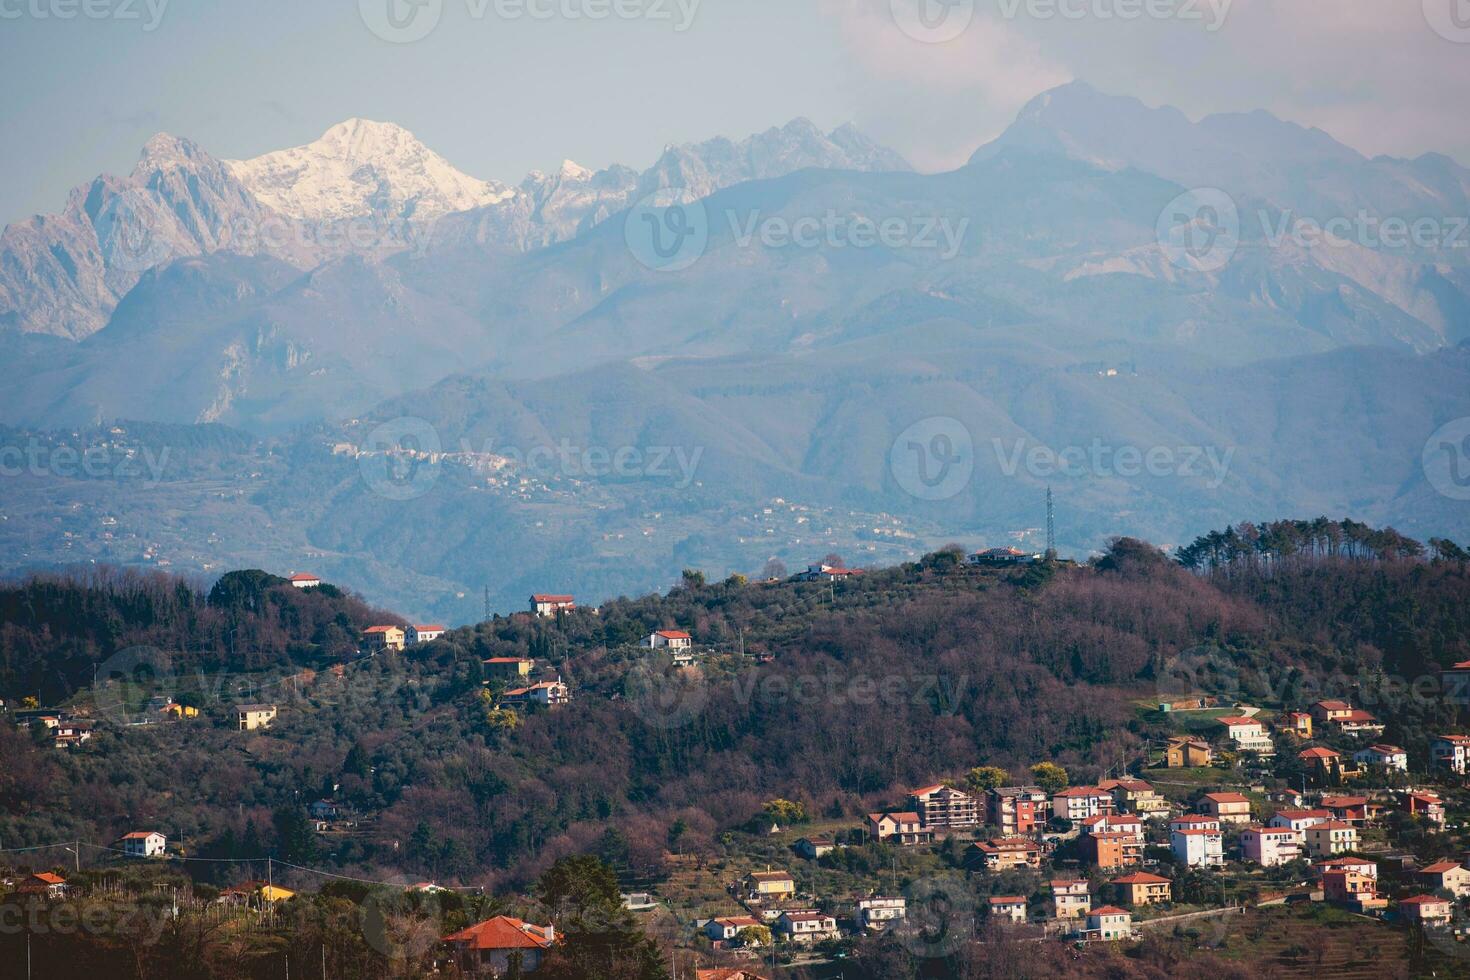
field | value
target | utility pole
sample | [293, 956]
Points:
[1051, 526]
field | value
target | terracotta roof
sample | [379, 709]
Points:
[1386, 749]
[1334, 705]
[304, 577]
[769, 876]
[1424, 900]
[1007, 900]
[502, 932]
[926, 790]
[1141, 878]
[1332, 802]
[48, 878]
[380, 629]
[552, 598]
[1194, 831]
[1190, 818]
[1081, 791]
[805, 916]
[1317, 753]
[1440, 867]
[674, 635]
[432, 627]
[737, 921]
[1241, 720]
[1359, 716]
[1330, 825]
[1303, 814]
[1226, 798]
[139, 835]
[1108, 910]
[1457, 739]
[902, 817]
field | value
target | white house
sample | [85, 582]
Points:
[303, 580]
[549, 605]
[672, 639]
[728, 928]
[1109, 923]
[1198, 847]
[1008, 908]
[547, 694]
[423, 634]
[1385, 756]
[1270, 846]
[1300, 820]
[876, 913]
[806, 927]
[1080, 802]
[1450, 751]
[143, 844]
[1249, 735]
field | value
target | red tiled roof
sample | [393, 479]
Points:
[502, 932]
[901, 817]
[1303, 814]
[1359, 716]
[1317, 753]
[1007, 900]
[1334, 705]
[1226, 798]
[1332, 802]
[48, 878]
[674, 635]
[1440, 867]
[303, 577]
[1424, 900]
[1108, 910]
[926, 790]
[1141, 878]
[1241, 720]
[552, 598]
[139, 835]
[1081, 791]
[1330, 825]
[379, 629]
[432, 627]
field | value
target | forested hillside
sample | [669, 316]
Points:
[837, 696]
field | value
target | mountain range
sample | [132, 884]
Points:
[1037, 296]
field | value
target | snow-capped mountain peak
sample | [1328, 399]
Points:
[361, 168]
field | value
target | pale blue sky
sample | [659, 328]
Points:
[499, 97]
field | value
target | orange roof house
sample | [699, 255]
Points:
[495, 942]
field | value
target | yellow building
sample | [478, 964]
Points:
[1187, 753]
[253, 716]
[383, 638]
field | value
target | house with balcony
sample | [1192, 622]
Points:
[1077, 803]
[1108, 923]
[1383, 757]
[1248, 735]
[768, 886]
[1004, 853]
[1017, 809]
[1451, 876]
[1226, 807]
[1071, 897]
[1270, 847]
[1008, 908]
[903, 828]
[1330, 838]
[1427, 910]
[1357, 891]
[1450, 752]
[1142, 888]
[1135, 796]
[1110, 850]
[1198, 847]
[1423, 803]
[806, 927]
[878, 912]
[942, 807]
[378, 638]
[1299, 820]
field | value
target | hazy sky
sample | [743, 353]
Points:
[500, 87]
